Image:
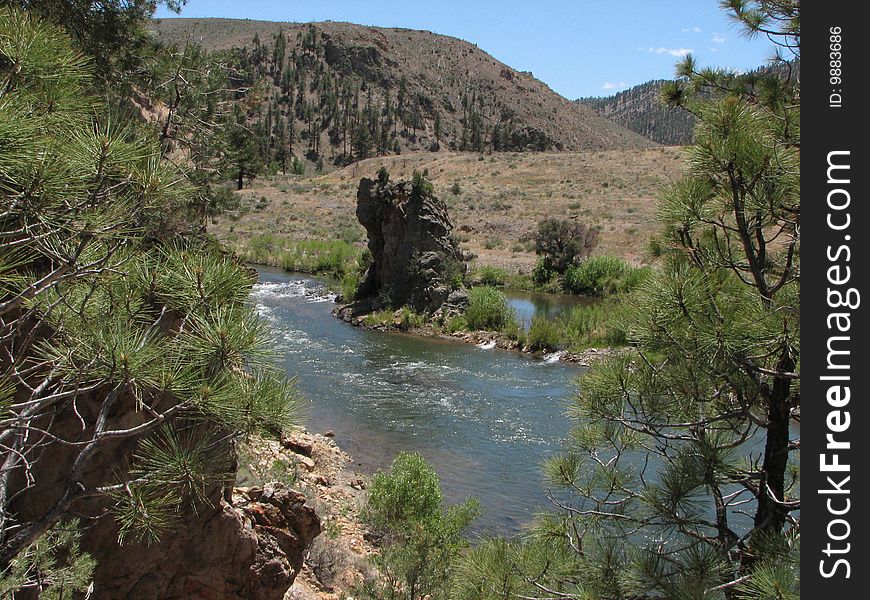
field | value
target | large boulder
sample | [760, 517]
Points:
[250, 547]
[416, 261]
[247, 545]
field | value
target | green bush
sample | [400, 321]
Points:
[348, 286]
[408, 319]
[593, 325]
[492, 276]
[542, 273]
[420, 541]
[457, 324]
[409, 493]
[564, 242]
[600, 275]
[544, 334]
[488, 309]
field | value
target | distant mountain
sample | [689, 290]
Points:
[351, 91]
[640, 110]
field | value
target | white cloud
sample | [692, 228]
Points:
[678, 52]
[718, 38]
[695, 29]
[614, 86]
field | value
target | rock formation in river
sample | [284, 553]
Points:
[416, 261]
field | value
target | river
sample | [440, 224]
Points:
[485, 419]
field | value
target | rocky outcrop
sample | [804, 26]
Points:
[415, 260]
[244, 546]
[248, 548]
[338, 559]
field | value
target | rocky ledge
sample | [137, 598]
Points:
[325, 475]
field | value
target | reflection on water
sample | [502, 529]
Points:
[484, 418]
[531, 304]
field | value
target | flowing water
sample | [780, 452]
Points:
[484, 418]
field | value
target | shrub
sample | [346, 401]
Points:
[544, 334]
[542, 273]
[562, 243]
[409, 493]
[488, 309]
[408, 319]
[593, 325]
[603, 275]
[326, 558]
[348, 286]
[492, 276]
[378, 319]
[420, 541]
[455, 189]
[457, 324]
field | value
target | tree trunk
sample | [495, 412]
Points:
[770, 515]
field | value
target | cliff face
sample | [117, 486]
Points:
[246, 546]
[415, 260]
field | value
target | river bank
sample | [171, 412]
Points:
[316, 466]
[484, 340]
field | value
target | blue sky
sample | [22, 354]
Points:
[577, 47]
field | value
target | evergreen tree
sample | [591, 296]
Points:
[113, 315]
[112, 32]
[680, 478]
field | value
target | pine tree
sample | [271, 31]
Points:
[113, 314]
[680, 478]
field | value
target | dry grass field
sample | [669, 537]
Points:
[495, 200]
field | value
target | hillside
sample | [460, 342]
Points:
[640, 110]
[344, 92]
[495, 202]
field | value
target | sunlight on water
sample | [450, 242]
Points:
[484, 419]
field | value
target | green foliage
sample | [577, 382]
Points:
[544, 334]
[657, 459]
[337, 258]
[562, 243]
[129, 311]
[52, 566]
[543, 274]
[488, 309]
[600, 275]
[595, 325]
[409, 493]
[420, 184]
[408, 319]
[383, 176]
[491, 276]
[112, 32]
[457, 323]
[420, 541]
[379, 318]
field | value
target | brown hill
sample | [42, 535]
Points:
[641, 110]
[444, 91]
[495, 202]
